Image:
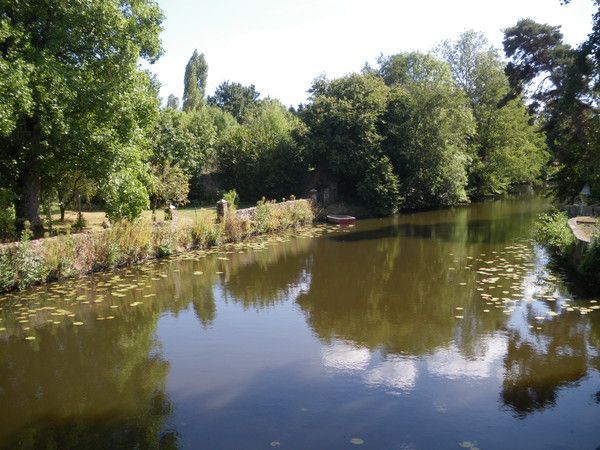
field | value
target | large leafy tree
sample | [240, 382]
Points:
[235, 98]
[79, 99]
[263, 157]
[194, 82]
[508, 147]
[428, 124]
[185, 138]
[345, 116]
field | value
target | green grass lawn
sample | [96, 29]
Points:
[94, 219]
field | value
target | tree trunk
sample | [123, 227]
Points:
[63, 209]
[27, 204]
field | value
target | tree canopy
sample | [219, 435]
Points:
[79, 100]
[194, 82]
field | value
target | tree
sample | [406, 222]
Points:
[80, 98]
[565, 99]
[235, 98]
[194, 82]
[508, 148]
[173, 102]
[185, 138]
[170, 184]
[537, 56]
[344, 119]
[466, 57]
[380, 188]
[263, 157]
[126, 195]
[427, 127]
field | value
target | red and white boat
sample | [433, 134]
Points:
[341, 219]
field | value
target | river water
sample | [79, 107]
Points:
[443, 329]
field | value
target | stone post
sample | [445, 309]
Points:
[221, 209]
[312, 194]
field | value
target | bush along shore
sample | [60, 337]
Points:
[552, 230]
[27, 262]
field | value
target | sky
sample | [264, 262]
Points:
[281, 46]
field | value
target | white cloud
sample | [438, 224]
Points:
[450, 363]
[345, 356]
[395, 372]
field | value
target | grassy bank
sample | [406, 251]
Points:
[28, 262]
[553, 232]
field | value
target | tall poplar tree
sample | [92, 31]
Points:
[194, 82]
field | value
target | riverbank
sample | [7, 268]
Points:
[572, 241]
[27, 263]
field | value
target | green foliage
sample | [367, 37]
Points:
[232, 198]
[509, 150]
[561, 83]
[7, 216]
[428, 127]
[164, 241]
[235, 98]
[170, 184]
[125, 195]
[185, 138]
[552, 231]
[270, 216]
[590, 263]
[59, 257]
[77, 96]
[380, 189]
[194, 85]
[32, 262]
[29, 265]
[15, 95]
[205, 232]
[173, 102]
[344, 117]
[7, 270]
[263, 156]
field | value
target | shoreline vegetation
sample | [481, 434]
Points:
[27, 263]
[414, 130]
[552, 231]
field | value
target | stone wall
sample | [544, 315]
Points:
[582, 241]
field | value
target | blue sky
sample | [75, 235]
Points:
[282, 45]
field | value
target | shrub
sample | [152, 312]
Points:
[552, 230]
[235, 229]
[380, 189]
[7, 216]
[205, 232]
[164, 240]
[232, 198]
[264, 217]
[126, 196]
[125, 243]
[28, 263]
[59, 257]
[8, 276]
[590, 263]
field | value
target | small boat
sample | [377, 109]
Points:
[341, 219]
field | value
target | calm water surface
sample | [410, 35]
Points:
[433, 330]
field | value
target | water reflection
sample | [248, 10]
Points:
[448, 311]
[58, 394]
